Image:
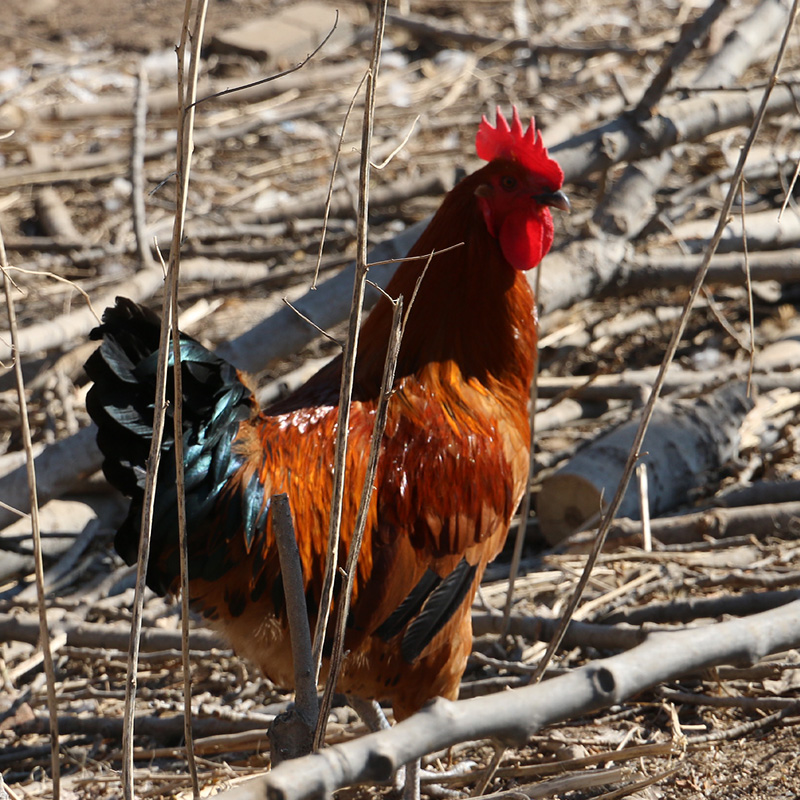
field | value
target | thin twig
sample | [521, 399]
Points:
[334, 170]
[158, 431]
[632, 789]
[187, 90]
[7, 507]
[306, 703]
[644, 506]
[44, 633]
[749, 287]
[61, 279]
[349, 358]
[367, 492]
[148, 504]
[790, 191]
[715, 309]
[311, 322]
[138, 136]
[745, 728]
[273, 77]
[386, 161]
[414, 258]
[490, 771]
[669, 355]
[692, 37]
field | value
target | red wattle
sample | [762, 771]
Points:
[526, 237]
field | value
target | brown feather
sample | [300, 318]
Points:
[453, 458]
[451, 472]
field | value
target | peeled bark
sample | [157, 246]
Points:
[686, 440]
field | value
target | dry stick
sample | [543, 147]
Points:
[426, 256]
[7, 792]
[497, 756]
[16, 512]
[634, 752]
[631, 789]
[148, 503]
[321, 331]
[719, 315]
[44, 634]
[746, 727]
[349, 357]
[236, 728]
[22, 627]
[289, 71]
[647, 413]
[565, 784]
[388, 160]
[729, 701]
[334, 169]
[55, 332]
[749, 286]
[632, 384]
[789, 191]
[138, 136]
[306, 704]
[351, 568]
[428, 27]
[515, 716]
[59, 279]
[689, 42]
[154, 457]
[187, 91]
[644, 506]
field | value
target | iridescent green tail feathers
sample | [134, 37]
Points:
[121, 402]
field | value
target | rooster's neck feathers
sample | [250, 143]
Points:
[471, 307]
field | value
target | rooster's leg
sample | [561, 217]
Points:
[370, 712]
[411, 790]
[373, 717]
[407, 779]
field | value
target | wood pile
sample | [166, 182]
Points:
[678, 677]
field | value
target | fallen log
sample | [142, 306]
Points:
[686, 440]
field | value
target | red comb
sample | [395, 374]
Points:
[511, 143]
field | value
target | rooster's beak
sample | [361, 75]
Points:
[554, 199]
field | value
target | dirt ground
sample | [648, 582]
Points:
[140, 26]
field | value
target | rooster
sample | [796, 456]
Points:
[454, 455]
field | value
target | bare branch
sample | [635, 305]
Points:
[349, 357]
[515, 715]
[44, 633]
[367, 493]
[292, 733]
[272, 77]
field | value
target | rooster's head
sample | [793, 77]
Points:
[521, 184]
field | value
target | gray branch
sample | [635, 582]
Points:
[512, 717]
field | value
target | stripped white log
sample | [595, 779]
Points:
[686, 439]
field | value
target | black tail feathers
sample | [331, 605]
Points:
[121, 402]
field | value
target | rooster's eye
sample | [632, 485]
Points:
[508, 182]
